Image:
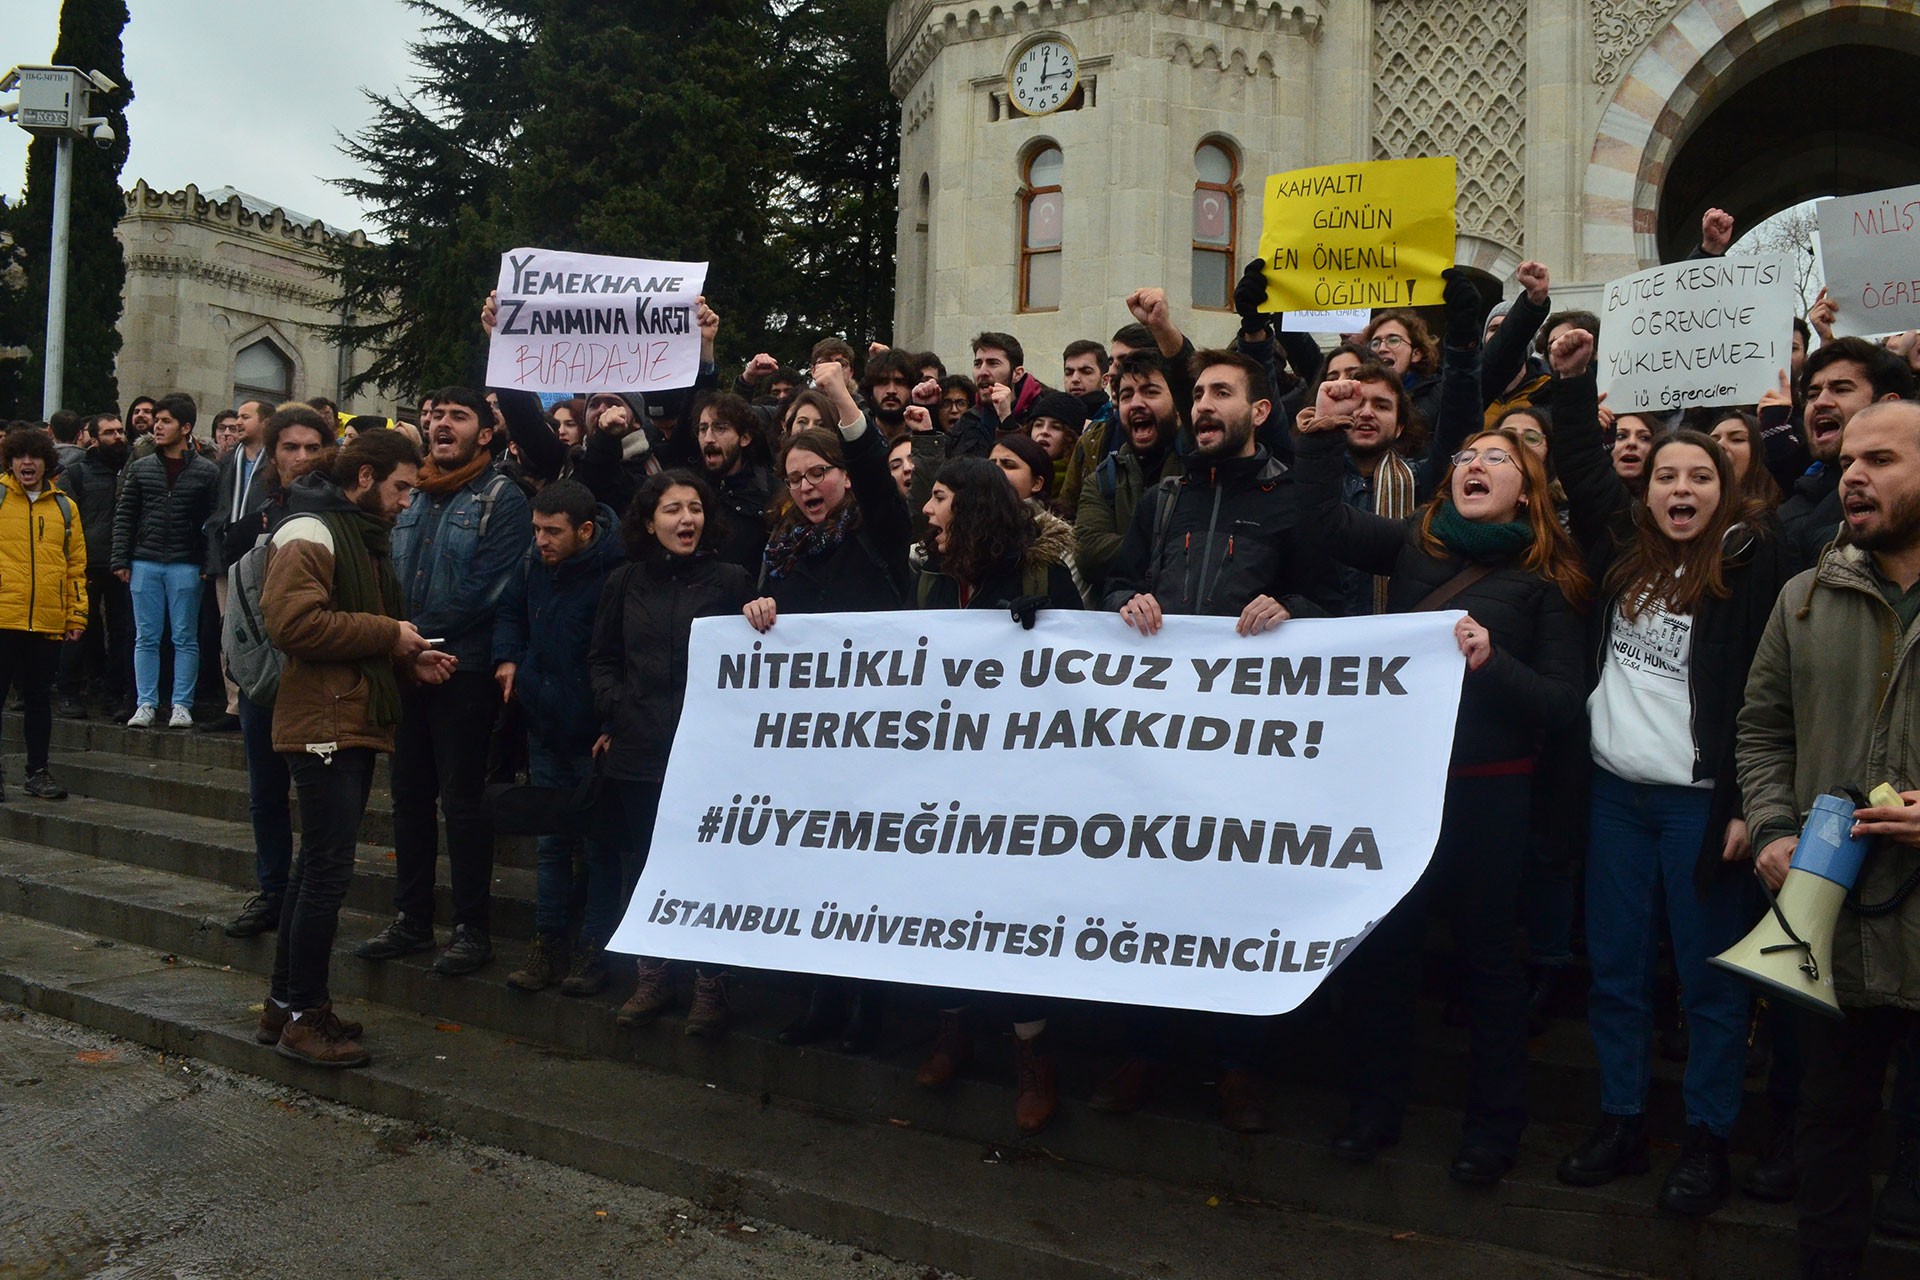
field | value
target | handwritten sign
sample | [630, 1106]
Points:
[1326, 321]
[1870, 247]
[576, 322]
[1353, 236]
[1703, 332]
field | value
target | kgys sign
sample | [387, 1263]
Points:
[1194, 819]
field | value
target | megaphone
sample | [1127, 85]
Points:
[1790, 952]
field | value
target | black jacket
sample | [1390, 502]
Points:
[93, 486]
[638, 660]
[868, 570]
[746, 495]
[162, 522]
[1811, 515]
[1725, 632]
[1232, 534]
[1534, 684]
[251, 504]
[1044, 565]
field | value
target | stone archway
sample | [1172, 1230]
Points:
[1698, 120]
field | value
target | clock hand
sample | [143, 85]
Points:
[1046, 60]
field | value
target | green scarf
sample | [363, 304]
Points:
[364, 584]
[1480, 539]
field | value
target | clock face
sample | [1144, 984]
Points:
[1044, 77]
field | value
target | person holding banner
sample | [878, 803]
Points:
[1689, 576]
[838, 545]
[1489, 543]
[987, 549]
[674, 535]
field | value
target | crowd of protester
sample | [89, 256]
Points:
[1679, 630]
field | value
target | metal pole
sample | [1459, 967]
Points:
[51, 393]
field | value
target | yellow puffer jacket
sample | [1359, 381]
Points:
[43, 563]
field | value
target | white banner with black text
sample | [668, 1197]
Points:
[1195, 819]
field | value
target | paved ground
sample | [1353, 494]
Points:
[116, 1161]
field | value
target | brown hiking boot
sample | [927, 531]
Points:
[589, 975]
[1035, 1104]
[321, 1040]
[1243, 1107]
[952, 1051]
[544, 967]
[652, 994]
[273, 1020]
[1127, 1089]
[708, 1014]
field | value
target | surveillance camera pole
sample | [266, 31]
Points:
[53, 103]
[50, 389]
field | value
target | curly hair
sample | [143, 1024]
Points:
[990, 529]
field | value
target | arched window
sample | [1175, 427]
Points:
[262, 372]
[1041, 211]
[1215, 223]
[923, 249]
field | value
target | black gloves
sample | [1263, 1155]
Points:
[1462, 301]
[1026, 608]
[1250, 295]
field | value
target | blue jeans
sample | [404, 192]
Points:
[165, 597]
[1645, 843]
[268, 784]
[557, 886]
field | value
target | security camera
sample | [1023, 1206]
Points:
[104, 136]
[101, 81]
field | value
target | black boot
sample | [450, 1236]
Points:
[826, 1011]
[1697, 1184]
[862, 1031]
[1618, 1148]
[1774, 1177]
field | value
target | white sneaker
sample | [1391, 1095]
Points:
[142, 718]
[180, 719]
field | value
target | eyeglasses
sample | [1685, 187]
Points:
[812, 475]
[1532, 437]
[1492, 457]
[1387, 342]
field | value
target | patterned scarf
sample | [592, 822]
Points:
[1393, 494]
[802, 540]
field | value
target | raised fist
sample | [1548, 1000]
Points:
[1534, 279]
[1149, 307]
[918, 419]
[830, 376]
[1338, 398]
[1000, 395]
[876, 349]
[707, 319]
[1825, 312]
[1716, 231]
[928, 392]
[760, 366]
[1571, 353]
[490, 311]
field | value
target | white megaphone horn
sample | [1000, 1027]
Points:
[1790, 952]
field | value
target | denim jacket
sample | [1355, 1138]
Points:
[452, 575]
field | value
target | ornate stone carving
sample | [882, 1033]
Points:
[1620, 27]
[1451, 79]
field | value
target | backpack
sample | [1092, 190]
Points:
[252, 660]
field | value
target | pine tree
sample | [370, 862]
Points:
[96, 269]
[654, 140]
[437, 189]
[835, 191]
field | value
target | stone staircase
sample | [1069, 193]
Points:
[111, 906]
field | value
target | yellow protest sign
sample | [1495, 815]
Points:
[1373, 234]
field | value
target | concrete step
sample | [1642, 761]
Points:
[223, 852]
[216, 791]
[886, 1182]
[181, 915]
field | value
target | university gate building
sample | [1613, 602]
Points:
[1056, 154]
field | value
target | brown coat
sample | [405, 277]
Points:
[323, 700]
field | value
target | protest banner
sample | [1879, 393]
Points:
[1703, 332]
[1195, 819]
[578, 323]
[1870, 250]
[1355, 236]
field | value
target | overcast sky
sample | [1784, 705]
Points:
[236, 93]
